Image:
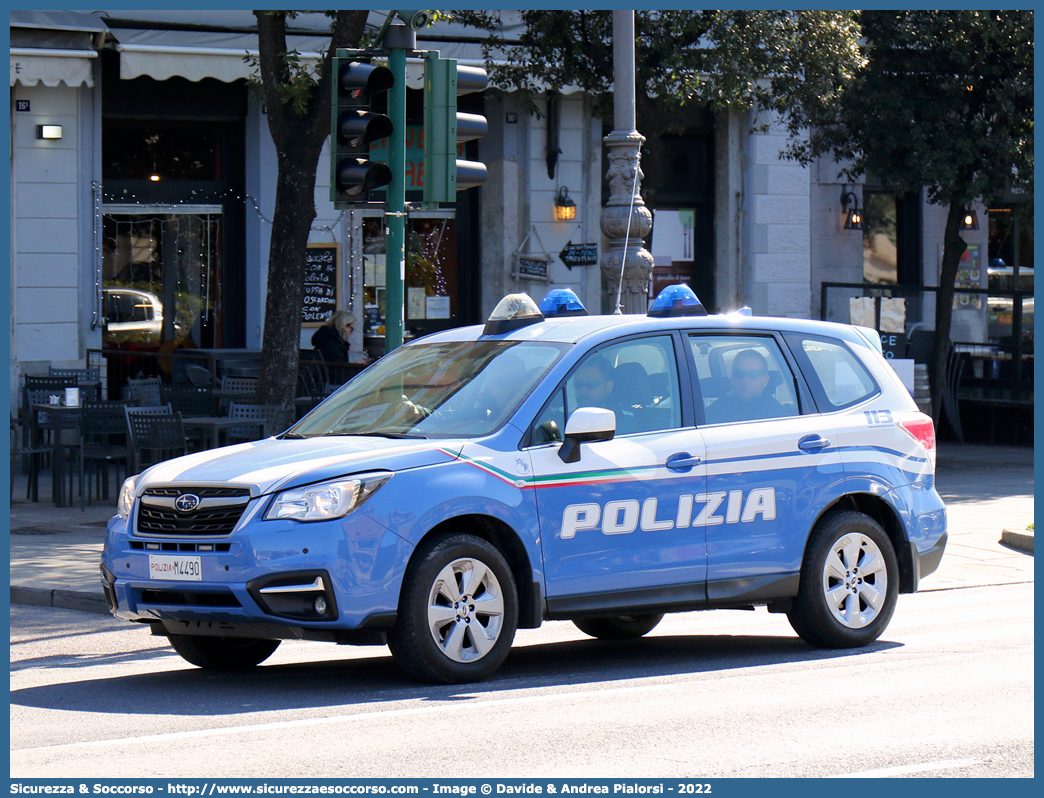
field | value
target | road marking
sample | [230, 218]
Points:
[903, 770]
[387, 713]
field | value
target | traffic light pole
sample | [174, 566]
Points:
[354, 126]
[398, 42]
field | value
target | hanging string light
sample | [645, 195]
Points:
[96, 196]
[213, 196]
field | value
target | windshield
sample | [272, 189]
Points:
[438, 390]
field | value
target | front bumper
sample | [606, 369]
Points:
[266, 573]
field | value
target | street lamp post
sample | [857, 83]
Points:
[625, 221]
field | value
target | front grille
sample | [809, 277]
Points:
[158, 517]
[189, 598]
[203, 493]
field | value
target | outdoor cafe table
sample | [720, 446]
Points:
[65, 417]
[213, 426]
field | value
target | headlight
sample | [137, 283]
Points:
[126, 500]
[334, 499]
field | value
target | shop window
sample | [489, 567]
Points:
[431, 294]
[160, 275]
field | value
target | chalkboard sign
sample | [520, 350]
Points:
[532, 267]
[322, 283]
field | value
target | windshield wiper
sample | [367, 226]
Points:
[291, 436]
[394, 435]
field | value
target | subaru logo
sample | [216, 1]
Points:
[186, 502]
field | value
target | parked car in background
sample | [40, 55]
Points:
[132, 314]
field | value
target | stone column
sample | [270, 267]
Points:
[625, 208]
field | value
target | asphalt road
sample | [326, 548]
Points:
[948, 691]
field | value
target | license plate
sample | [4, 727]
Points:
[180, 569]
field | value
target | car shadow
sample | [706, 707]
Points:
[375, 680]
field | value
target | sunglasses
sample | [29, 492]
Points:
[748, 374]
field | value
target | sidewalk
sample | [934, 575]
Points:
[55, 551]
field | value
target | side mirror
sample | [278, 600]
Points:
[586, 425]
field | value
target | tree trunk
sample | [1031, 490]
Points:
[298, 132]
[953, 249]
[291, 222]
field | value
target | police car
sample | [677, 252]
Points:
[548, 465]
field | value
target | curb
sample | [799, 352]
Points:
[64, 599]
[1023, 541]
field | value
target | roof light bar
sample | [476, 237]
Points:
[511, 313]
[562, 302]
[677, 300]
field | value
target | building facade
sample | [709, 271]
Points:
[142, 217]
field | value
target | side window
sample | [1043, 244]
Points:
[550, 424]
[842, 379]
[637, 380]
[742, 378]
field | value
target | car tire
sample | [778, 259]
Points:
[442, 634]
[223, 653]
[849, 583]
[618, 627]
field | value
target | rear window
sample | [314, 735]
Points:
[838, 377]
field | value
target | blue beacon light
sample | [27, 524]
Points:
[562, 302]
[677, 300]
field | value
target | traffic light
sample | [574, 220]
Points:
[444, 128]
[353, 126]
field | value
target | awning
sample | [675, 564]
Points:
[51, 67]
[195, 55]
[52, 47]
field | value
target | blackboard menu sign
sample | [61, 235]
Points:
[321, 284]
[532, 267]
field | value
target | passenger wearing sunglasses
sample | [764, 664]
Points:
[747, 399]
[593, 383]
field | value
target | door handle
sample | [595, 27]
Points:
[682, 461]
[813, 442]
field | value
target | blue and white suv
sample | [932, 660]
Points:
[601, 469]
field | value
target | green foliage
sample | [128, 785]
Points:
[944, 101]
[296, 79]
[734, 59]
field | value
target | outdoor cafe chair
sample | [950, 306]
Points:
[33, 454]
[272, 418]
[52, 386]
[155, 437]
[238, 389]
[103, 440]
[144, 391]
[92, 374]
[192, 402]
[46, 428]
